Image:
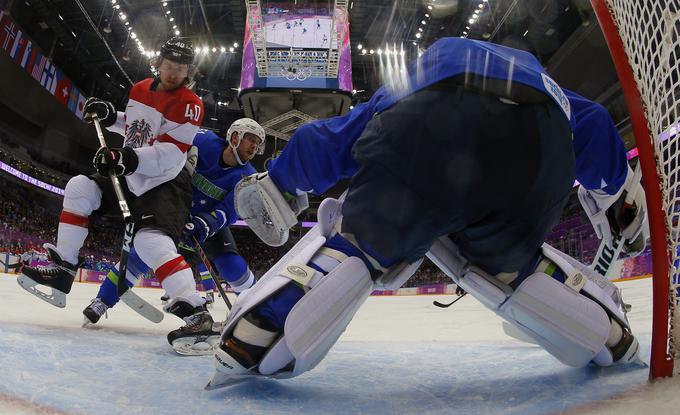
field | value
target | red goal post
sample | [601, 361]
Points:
[642, 37]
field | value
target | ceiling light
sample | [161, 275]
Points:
[223, 49]
[371, 51]
[379, 51]
[214, 50]
[117, 6]
[414, 43]
[197, 50]
[429, 7]
[231, 50]
[172, 19]
[420, 29]
[205, 49]
[351, 107]
[418, 35]
[176, 32]
[481, 5]
[465, 33]
[174, 26]
[165, 3]
[363, 51]
[127, 23]
[423, 22]
[133, 35]
[467, 27]
[359, 46]
[427, 15]
[471, 21]
[235, 44]
[113, 1]
[122, 16]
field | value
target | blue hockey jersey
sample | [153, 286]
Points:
[213, 185]
[319, 153]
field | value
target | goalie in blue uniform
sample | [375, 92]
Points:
[220, 164]
[469, 160]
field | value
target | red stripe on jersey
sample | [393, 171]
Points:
[165, 138]
[171, 267]
[180, 105]
[73, 219]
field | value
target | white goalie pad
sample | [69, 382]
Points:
[567, 325]
[602, 291]
[397, 275]
[262, 205]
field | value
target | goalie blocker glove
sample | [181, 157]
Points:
[104, 110]
[120, 161]
[623, 213]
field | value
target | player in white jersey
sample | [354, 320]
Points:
[159, 123]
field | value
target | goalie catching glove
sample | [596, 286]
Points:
[621, 214]
[267, 211]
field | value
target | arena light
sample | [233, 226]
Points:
[471, 21]
[429, 7]
[223, 49]
[371, 51]
[117, 6]
[197, 50]
[172, 19]
[231, 50]
[360, 46]
[165, 3]
[167, 12]
[423, 22]
[235, 44]
[420, 29]
[176, 32]
[427, 15]
[415, 43]
[205, 49]
[113, 1]
[418, 35]
[363, 51]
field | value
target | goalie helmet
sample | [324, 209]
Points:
[243, 126]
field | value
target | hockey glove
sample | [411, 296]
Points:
[623, 213]
[119, 161]
[205, 225]
[104, 110]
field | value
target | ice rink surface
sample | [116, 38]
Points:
[400, 355]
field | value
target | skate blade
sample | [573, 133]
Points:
[56, 298]
[189, 346]
[220, 380]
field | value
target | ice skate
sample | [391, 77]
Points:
[94, 311]
[197, 337]
[58, 275]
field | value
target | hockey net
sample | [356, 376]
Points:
[644, 41]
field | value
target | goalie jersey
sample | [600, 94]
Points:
[481, 64]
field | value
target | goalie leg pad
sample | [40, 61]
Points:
[569, 326]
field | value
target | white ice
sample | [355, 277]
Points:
[399, 355]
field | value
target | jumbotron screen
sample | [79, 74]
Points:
[295, 30]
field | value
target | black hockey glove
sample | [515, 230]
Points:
[105, 111]
[120, 161]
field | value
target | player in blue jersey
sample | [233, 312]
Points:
[219, 166]
[469, 160]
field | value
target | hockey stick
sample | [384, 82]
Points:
[124, 293]
[207, 264]
[443, 305]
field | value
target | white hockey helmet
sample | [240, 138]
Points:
[247, 125]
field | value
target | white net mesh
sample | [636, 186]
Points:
[650, 31]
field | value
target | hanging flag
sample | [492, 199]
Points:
[7, 33]
[63, 90]
[81, 105]
[73, 99]
[49, 79]
[24, 58]
[38, 66]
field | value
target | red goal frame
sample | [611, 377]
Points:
[661, 360]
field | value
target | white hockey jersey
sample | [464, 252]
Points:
[160, 126]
